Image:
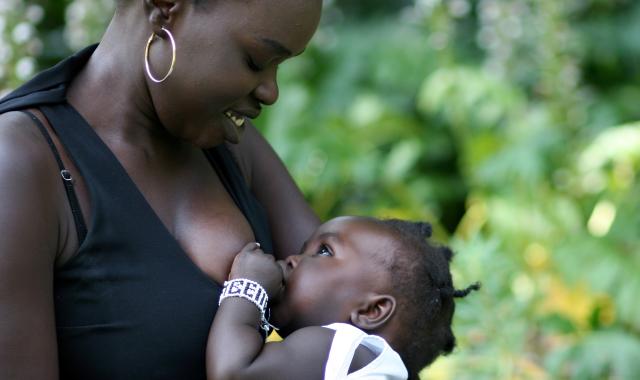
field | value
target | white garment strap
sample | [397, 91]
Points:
[345, 343]
[387, 365]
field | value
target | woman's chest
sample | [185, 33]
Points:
[211, 235]
[198, 212]
[186, 205]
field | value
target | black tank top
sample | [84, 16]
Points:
[131, 304]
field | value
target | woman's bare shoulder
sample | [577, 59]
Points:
[28, 170]
[29, 221]
[21, 143]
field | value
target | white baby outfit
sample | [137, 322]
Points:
[386, 366]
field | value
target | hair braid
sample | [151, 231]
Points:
[464, 292]
[425, 293]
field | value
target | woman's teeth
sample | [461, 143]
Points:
[238, 121]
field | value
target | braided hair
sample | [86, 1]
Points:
[424, 293]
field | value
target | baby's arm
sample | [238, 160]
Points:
[236, 349]
[302, 355]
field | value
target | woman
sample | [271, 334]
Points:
[114, 246]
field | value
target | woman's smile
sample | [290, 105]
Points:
[238, 120]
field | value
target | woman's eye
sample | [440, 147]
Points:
[324, 251]
[252, 65]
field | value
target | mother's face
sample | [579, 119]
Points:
[228, 52]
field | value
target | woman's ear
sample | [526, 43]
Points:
[162, 13]
[374, 312]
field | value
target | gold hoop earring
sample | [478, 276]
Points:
[173, 56]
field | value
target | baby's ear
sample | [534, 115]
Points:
[374, 312]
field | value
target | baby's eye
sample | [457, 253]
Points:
[324, 251]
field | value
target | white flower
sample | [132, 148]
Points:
[22, 32]
[25, 67]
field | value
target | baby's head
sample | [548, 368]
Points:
[382, 276]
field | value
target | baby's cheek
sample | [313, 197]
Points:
[304, 300]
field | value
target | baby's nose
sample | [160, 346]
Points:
[292, 261]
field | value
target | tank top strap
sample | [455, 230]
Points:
[67, 180]
[96, 163]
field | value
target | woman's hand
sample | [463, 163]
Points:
[252, 263]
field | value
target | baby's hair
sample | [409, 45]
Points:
[424, 292]
[120, 3]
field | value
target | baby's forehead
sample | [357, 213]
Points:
[363, 234]
[354, 225]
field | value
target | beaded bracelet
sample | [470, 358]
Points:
[251, 291]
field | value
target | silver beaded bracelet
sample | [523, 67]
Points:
[251, 291]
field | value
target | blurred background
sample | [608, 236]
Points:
[513, 125]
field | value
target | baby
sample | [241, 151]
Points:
[365, 299]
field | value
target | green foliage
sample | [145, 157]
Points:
[512, 124]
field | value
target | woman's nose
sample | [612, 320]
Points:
[267, 90]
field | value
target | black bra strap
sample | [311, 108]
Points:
[67, 180]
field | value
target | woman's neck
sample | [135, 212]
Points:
[111, 91]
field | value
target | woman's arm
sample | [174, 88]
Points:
[28, 243]
[291, 219]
